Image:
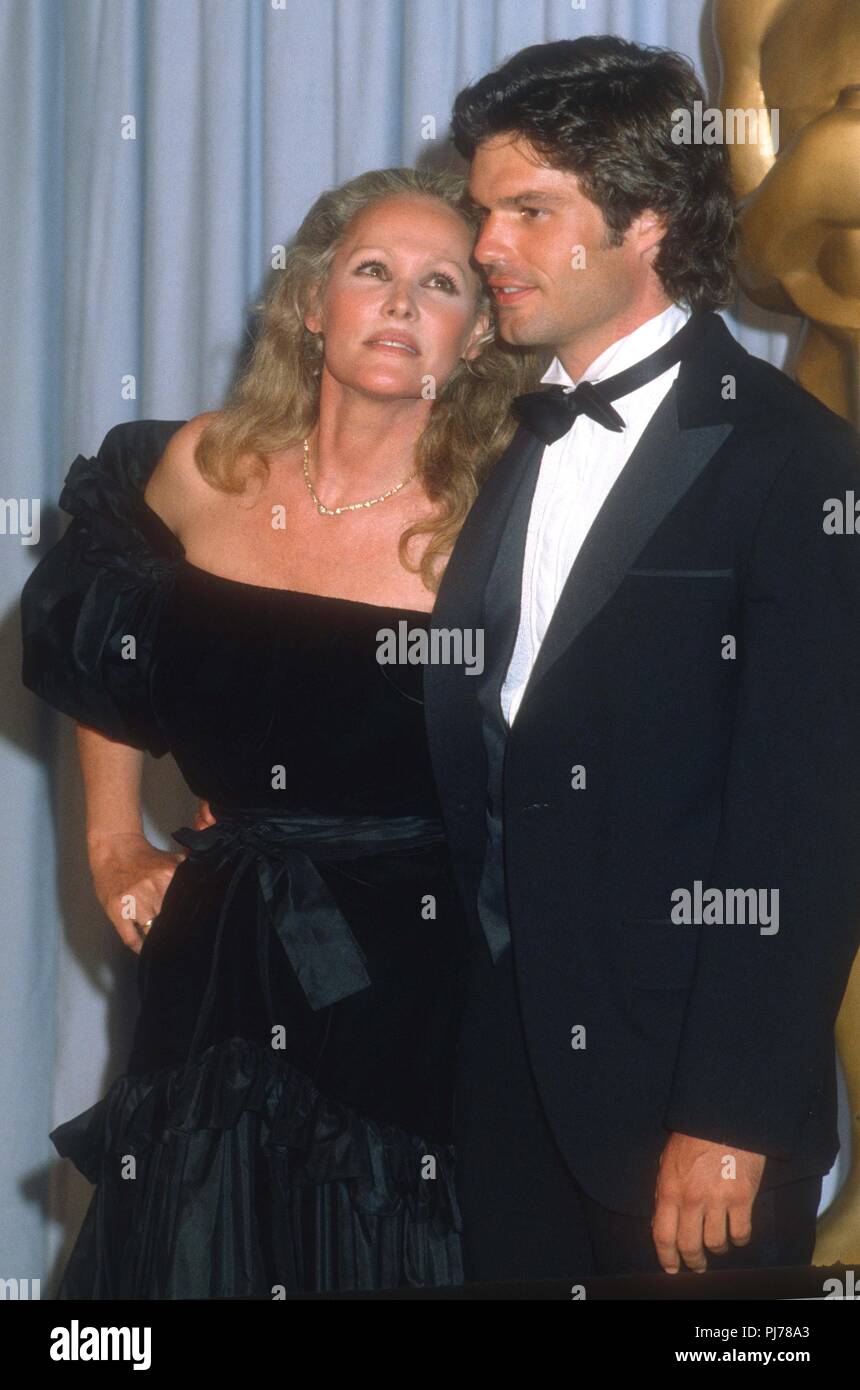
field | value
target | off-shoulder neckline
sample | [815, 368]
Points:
[177, 549]
[301, 593]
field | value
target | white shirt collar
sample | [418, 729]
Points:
[626, 351]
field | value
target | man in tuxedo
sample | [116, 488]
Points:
[652, 791]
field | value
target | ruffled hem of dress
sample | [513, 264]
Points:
[323, 1139]
[238, 1152]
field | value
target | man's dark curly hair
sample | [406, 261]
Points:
[601, 108]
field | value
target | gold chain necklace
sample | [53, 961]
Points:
[350, 506]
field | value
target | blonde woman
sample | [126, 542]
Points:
[224, 593]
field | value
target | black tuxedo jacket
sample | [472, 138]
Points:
[739, 771]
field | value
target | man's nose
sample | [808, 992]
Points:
[491, 245]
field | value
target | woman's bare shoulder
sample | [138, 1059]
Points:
[176, 484]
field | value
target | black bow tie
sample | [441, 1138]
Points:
[550, 413]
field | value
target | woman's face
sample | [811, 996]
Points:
[399, 306]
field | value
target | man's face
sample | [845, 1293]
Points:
[543, 238]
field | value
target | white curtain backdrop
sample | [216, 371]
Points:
[152, 153]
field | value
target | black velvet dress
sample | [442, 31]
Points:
[285, 1118]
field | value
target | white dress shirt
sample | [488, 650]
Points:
[575, 478]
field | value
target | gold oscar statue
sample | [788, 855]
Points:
[799, 219]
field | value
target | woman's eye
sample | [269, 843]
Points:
[448, 283]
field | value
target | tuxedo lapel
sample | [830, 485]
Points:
[460, 600]
[452, 712]
[688, 427]
[692, 422]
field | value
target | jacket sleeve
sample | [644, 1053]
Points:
[758, 1037]
[90, 608]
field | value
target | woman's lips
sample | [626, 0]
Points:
[400, 348]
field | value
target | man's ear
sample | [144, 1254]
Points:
[651, 229]
[483, 323]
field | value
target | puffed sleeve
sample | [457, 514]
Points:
[90, 609]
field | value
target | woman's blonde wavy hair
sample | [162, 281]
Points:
[274, 402]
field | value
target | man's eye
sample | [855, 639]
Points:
[537, 211]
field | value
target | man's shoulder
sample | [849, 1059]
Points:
[772, 404]
[816, 436]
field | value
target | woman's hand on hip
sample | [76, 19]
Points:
[130, 878]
